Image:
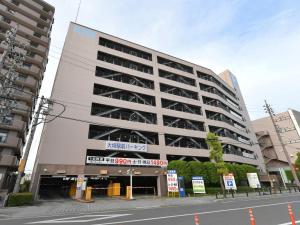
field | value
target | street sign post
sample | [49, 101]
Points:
[172, 181]
[229, 182]
[198, 185]
[253, 180]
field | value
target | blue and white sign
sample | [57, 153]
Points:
[125, 146]
[229, 182]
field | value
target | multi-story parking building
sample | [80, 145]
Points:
[33, 20]
[126, 104]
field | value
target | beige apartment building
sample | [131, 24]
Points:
[33, 20]
[289, 124]
[131, 107]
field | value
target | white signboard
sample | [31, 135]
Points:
[125, 146]
[99, 160]
[172, 181]
[198, 185]
[253, 180]
[229, 182]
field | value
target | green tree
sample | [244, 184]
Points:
[197, 169]
[216, 156]
[181, 168]
[212, 175]
[297, 162]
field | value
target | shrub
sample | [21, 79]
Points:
[19, 199]
[25, 186]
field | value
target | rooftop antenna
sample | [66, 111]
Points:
[78, 11]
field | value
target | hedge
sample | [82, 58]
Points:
[215, 190]
[19, 199]
[209, 172]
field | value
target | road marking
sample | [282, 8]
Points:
[199, 213]
[134, 209]
[81, 219]
[289, 223]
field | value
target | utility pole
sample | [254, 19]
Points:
[23, 161]
[270, 111]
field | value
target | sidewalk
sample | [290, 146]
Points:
[68, 206]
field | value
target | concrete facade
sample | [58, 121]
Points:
[116, 90]
[33, 19]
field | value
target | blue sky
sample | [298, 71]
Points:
[258, 41]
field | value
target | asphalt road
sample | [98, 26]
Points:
[267, 211]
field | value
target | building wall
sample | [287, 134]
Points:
[65, 141]
[290, 133]
[34, 19]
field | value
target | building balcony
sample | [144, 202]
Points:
[17, 125]
[22, 110]
[11, 142]
[28, 81]
[24, 96]
[9, 161]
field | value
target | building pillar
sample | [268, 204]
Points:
[161, 185]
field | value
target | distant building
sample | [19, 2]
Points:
[33, 20]
[289, 123]
[128, 106]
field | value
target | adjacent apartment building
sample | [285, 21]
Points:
[131, 107]
[289, 125]
[33, 20]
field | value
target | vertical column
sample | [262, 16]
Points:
[160, 125]
[161, 185]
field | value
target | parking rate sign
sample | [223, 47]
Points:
[198, 185]
[253, 180]
[172, 181]
[229, 182]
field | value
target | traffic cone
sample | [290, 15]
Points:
[291, 214]
[252, 220]
[196, 217]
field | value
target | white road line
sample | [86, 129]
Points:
[129, 209]
[81, 219]
[199, 213]
[298, 221]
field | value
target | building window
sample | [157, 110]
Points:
[27, 65]
[110, 92]
[185, 141]
[43, 18]
[123, 135]
[123, 114]
[3, 136]
[6, 20]
[7, 120]
[124, 78]
[180, 106]
[178, 91]
[123, 48]
[40, 26]
[176, 77]
[34, 44]
[175, 65]
[37, 35]
[15, 2]
[124, 62]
